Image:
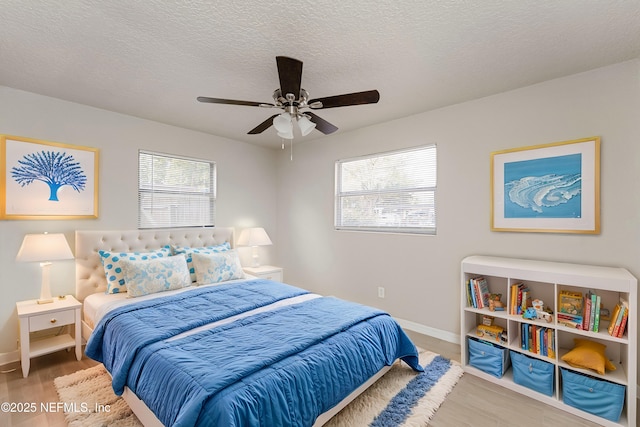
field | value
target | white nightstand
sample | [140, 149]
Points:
[36, 317]
[266, 272]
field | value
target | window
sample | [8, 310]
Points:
[175, 191]
[389, 192]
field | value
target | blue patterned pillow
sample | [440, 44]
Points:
[217, 267]
[112, 263]
[149, 276]
[201, 250]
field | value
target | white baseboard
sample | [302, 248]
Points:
[428, 330]
[10, 357]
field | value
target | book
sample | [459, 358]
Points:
[469, 295]
[518, 302]
[474, 301]
[570, 302]
[587, 312]
[618, 321]
[552, 343]
[513, 299]
[614, 318]
[623, 322]
[484, 291]
[592, 314]
[571, 317]
[596, 322]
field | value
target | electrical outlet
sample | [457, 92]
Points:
[380, 292]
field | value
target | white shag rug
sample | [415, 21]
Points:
[401, 398]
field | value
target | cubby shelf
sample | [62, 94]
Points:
[545, 280]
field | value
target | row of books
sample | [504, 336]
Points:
[478, 293]
[592, 310]
[538, 340]
[618, 322]
[520, 298]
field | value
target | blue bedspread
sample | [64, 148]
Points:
[281, 367]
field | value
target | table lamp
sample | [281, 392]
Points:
[44, 248]
[254, 237]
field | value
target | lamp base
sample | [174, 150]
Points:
[255, 257]
[45, 290]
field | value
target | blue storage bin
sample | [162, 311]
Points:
[598, 397]
[488, 357]
[533, 373]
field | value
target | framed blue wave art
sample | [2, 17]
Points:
[47, 180]
[550, 188]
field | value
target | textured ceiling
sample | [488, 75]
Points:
[152, 58]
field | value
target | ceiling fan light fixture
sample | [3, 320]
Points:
[286, 135]
[282, 123]
[306, 125]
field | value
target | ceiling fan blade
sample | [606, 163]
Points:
[290, 74]
[357, 98]
[230, 101]
[321, 124]
[262, 126]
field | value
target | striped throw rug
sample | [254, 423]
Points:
[400, 398]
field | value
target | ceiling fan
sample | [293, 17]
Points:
[293, 99]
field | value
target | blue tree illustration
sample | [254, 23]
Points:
[54, 168]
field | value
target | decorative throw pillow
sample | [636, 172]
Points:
[201, 250]
[217, 267]
[149, 276]
[112, 263]
[589, 355]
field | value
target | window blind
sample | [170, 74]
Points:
[175, 191]
[388, 192]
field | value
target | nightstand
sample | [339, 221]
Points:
[37, 317]
[266, 272]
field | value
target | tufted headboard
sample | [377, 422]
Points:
[90, 276]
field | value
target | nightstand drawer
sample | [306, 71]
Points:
[275, 276]
[51, 320]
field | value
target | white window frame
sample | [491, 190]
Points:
[197, 216]
[401, 226]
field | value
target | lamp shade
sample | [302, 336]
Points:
[286, 135]
[254, 237]
[44, 247]
[306, 125]
[282, 122]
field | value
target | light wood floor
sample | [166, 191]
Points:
[472, 403]
[475, 402]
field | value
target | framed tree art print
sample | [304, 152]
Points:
[47, 180]
[552, 188]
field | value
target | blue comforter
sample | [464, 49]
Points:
[280, 367]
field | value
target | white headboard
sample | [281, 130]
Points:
[90, 276]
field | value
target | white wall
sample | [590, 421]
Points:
[421, 273]
[246, 186]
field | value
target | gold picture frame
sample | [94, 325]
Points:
[47, 180]
[550, 188]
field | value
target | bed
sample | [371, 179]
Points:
[241, 351]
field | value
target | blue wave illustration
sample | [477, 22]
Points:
[547, 192]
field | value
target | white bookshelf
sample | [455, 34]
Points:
[545, 280]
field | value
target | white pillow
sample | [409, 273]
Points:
[201, 250]
[145, 277]
[217, 267]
